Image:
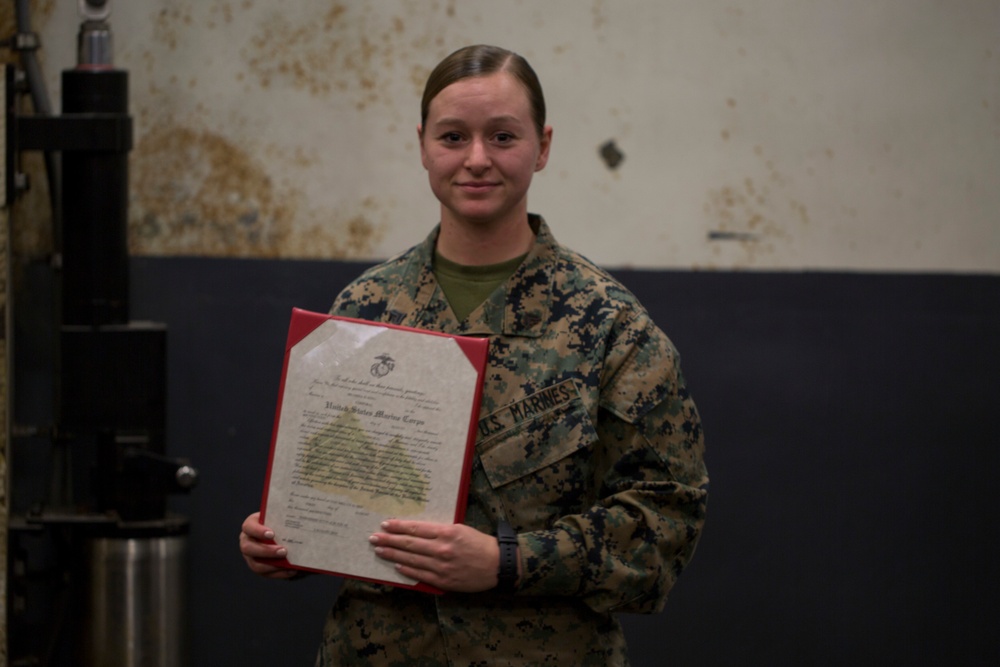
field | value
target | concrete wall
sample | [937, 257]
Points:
[778, 134]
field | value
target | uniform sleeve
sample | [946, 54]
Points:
[626, 551]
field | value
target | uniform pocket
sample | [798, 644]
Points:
[539, 456]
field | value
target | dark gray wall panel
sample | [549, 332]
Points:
[852, 438]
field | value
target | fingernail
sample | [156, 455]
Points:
[282, 552]
[269, 535]
[384, 525]
[379, 551]
[373, 539]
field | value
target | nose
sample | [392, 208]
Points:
[477, 158]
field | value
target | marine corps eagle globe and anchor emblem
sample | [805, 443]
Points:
[383, 365]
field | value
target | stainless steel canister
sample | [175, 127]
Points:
[136, 602]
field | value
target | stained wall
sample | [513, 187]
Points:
[854, 135]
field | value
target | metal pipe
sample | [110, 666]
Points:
[94, 46]
[95, 207]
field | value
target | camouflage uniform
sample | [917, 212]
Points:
[589, 446]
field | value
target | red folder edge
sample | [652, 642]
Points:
[304, 322]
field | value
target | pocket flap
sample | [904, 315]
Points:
[534, 433]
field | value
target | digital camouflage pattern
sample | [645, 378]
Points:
[589, 446]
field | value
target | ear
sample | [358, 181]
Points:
[420, 139]
[545, 143]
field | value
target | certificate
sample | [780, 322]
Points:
[374, 421]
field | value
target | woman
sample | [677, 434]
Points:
[588, 487]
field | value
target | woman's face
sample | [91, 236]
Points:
[480, 149]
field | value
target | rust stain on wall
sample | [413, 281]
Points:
[205, 192]
[197, 192]
[754, 214]
[343, 51]
[170, 20]
[599, 15]
[741, 210]
[223, 11]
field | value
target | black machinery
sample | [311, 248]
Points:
[110, 590]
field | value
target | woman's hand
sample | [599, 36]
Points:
[452, 557]
[260, 552]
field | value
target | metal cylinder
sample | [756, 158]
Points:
[95, 207]
[94, 45]
[135, 602]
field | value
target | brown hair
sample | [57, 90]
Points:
[483, 60]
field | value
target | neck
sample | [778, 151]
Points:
[484, 243]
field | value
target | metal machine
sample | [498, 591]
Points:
[96, 560]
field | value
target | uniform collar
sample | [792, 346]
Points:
[522, 308]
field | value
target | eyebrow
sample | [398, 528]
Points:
[505, 118]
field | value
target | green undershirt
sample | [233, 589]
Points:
[466, 287]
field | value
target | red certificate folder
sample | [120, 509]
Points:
[374, 421]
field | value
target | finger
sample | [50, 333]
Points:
[256, 549]
[412, 563]
[427, 570]
[421, 529]
[404, 544]
[263, 551]
[255, 529]
[423, 576]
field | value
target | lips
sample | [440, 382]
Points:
[477, 186]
